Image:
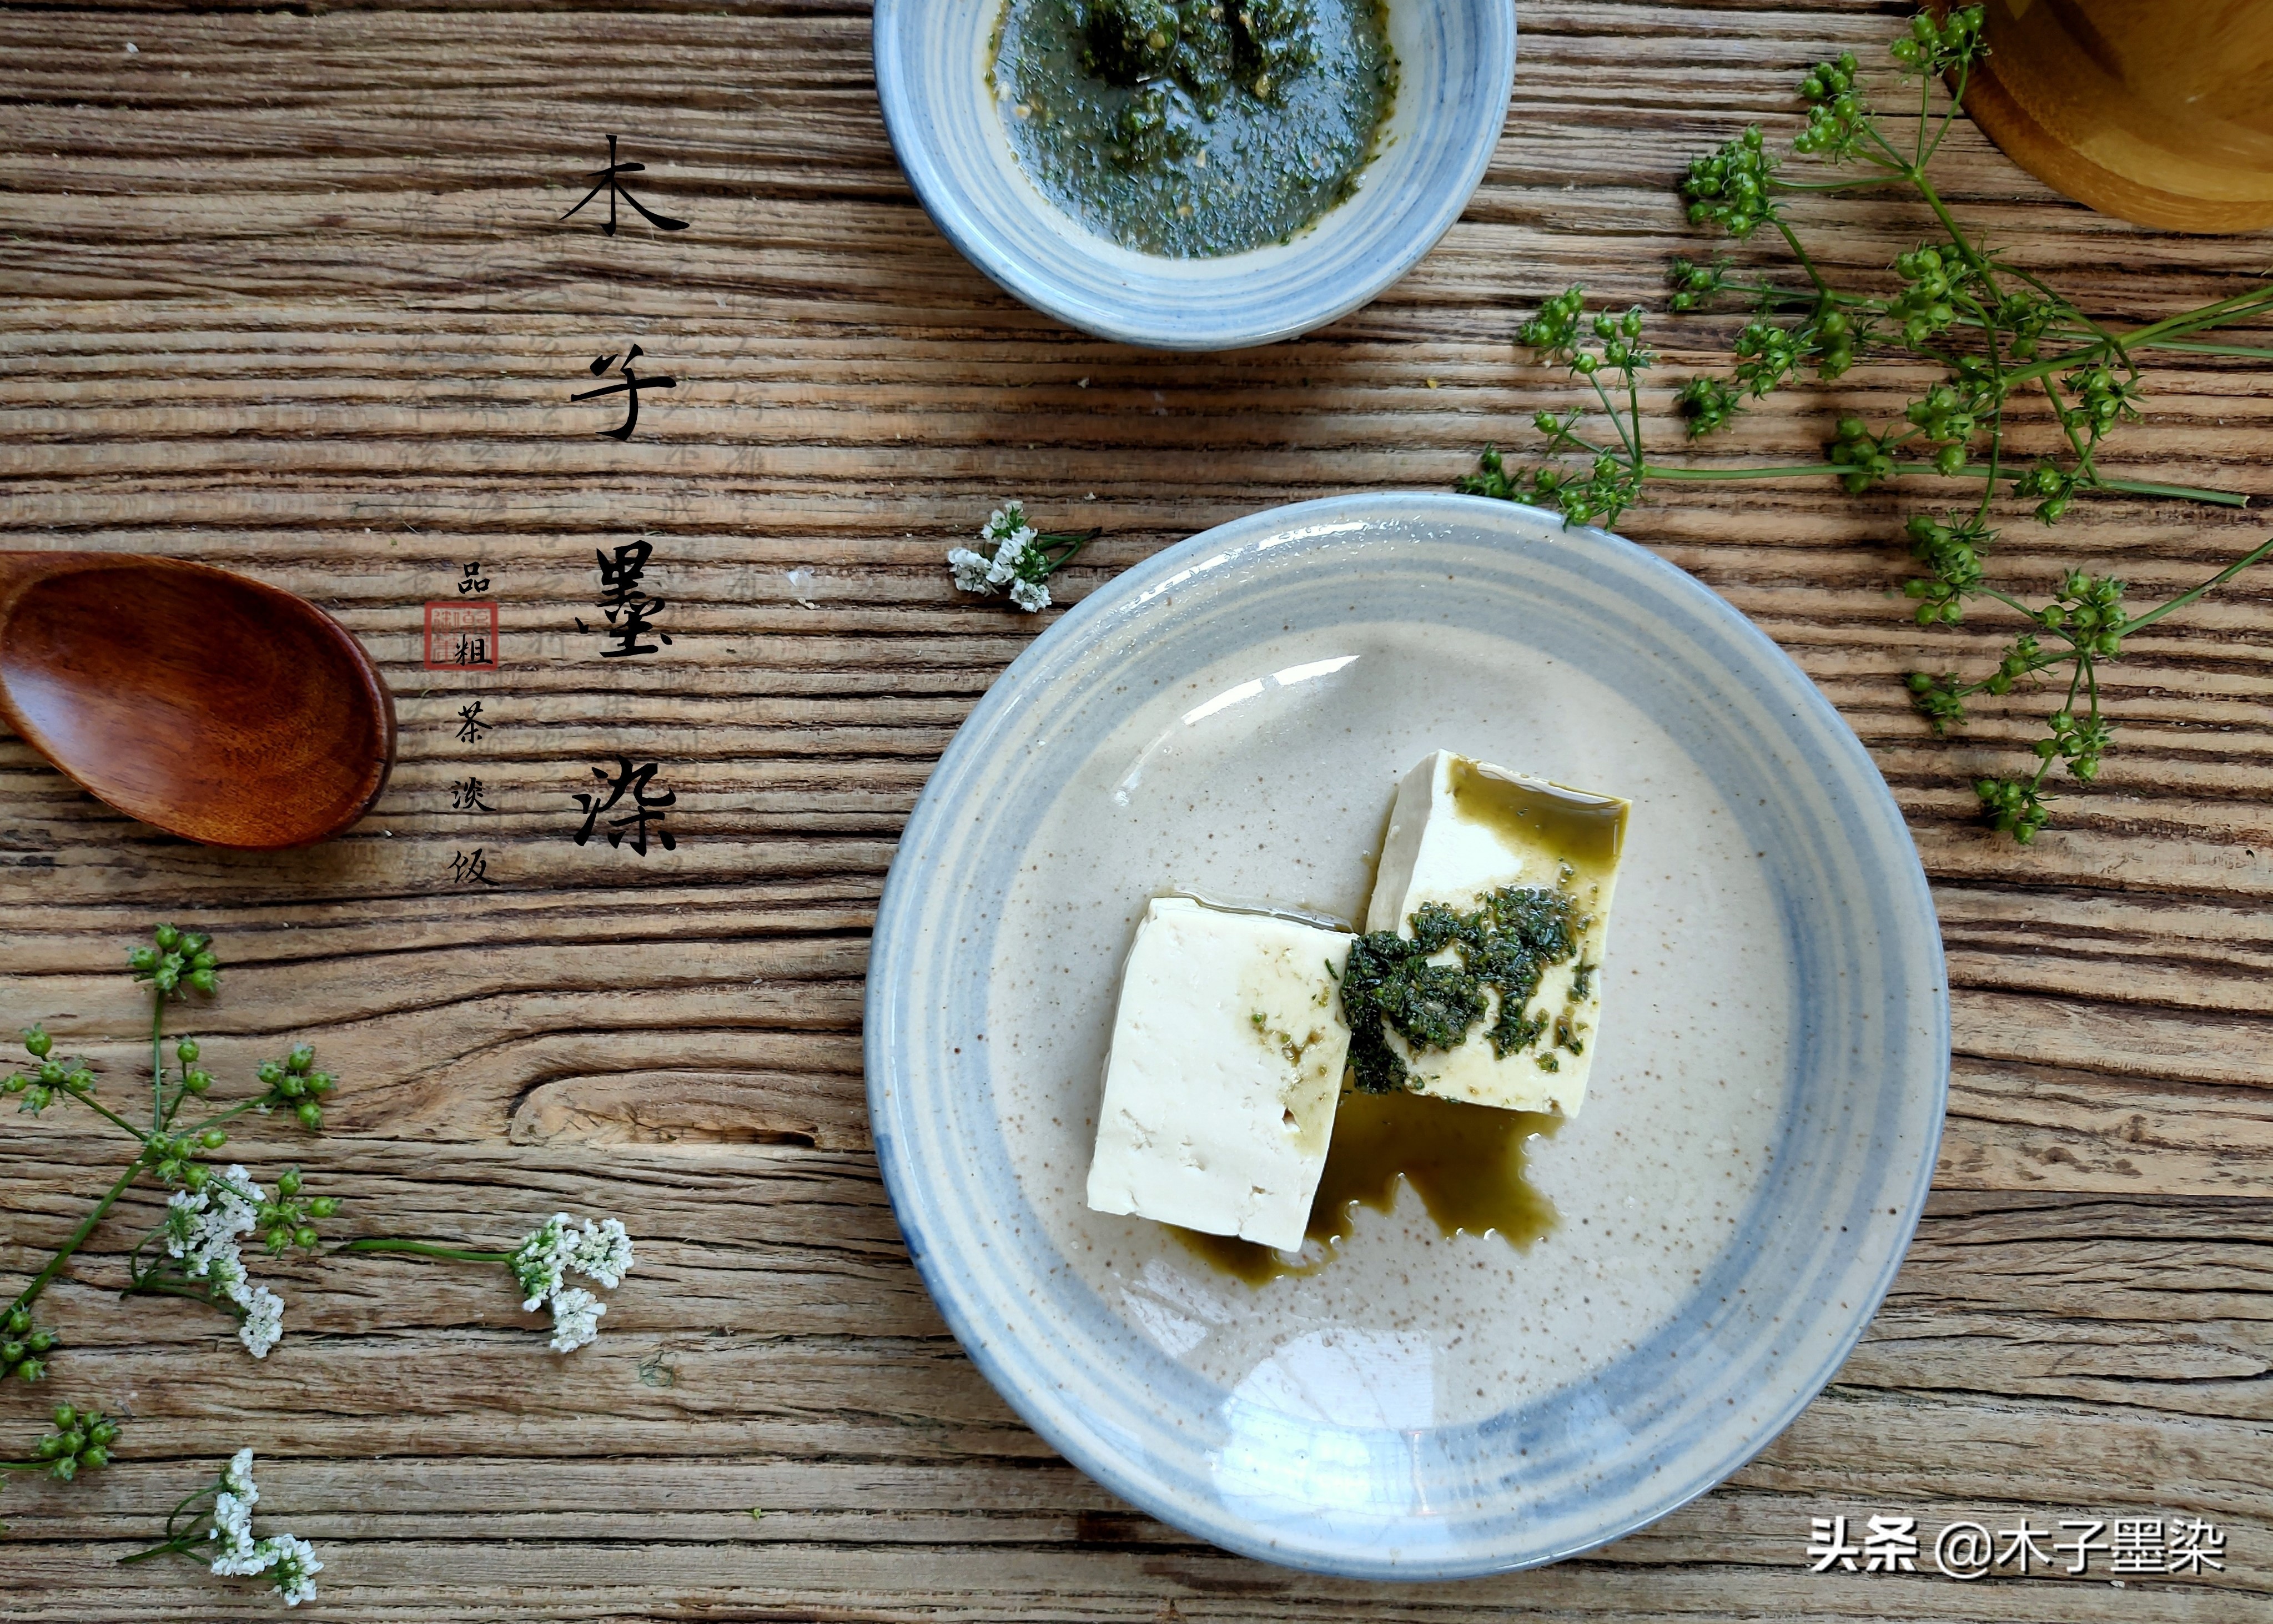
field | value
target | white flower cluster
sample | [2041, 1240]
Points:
[1006, 559]
[599, 1252]
[288, 1561]
[202, 1230]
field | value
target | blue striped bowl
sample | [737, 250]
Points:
[1230, 717]
[1456, 63]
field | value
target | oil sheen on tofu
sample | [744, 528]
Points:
[1227, 1055]
[1462, 830]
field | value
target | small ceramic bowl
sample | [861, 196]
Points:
[1456, 62]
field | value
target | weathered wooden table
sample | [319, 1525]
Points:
[289, 291]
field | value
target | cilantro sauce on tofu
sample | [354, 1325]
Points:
[1193, 128]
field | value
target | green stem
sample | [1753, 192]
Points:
[235, 1111]
[183, 1543]
[30, 1294]
[1997, 417]
[2242, 351]
[1064, 547]
[2236, 308]
[389, 1243]
[1958, 240]
[1806, 261]
[2045, 766]
[2256, 555]
[1925, 118]
[1652, 470]
[1949, 115]
[2128, 487]
[157, 1060]
[2065, 419]
[1852, 184]
[147, 1287]
[1633, 452]
[2022, 609]
[2184, 492]
[180, 1544]
[100, 1110]
[184, 1546]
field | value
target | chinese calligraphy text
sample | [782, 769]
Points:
[608, 180]
[631, 386]
[645, 808]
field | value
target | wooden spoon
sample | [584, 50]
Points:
[212, 706]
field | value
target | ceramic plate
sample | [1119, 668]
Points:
[1230, 717]
[1456, 61]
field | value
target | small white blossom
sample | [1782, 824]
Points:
[1009, 556]
[1005, 522]
[576, 1318]
[240, 1561]
[970, 569]
[538, 1260]
[232, 1534]
[289, 1563]
[263, 1320]
[293, 1561]
[202, 1230]
[602, 1251]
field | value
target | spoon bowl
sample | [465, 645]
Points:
[209, 705]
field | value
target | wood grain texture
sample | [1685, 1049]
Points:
[286, 292]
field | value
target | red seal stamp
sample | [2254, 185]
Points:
[461, 636]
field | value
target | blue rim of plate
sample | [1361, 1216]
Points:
[1058, 1417]
[1312, 291]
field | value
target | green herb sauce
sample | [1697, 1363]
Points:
[1191, 128]
[1467, 1162]
[1506, 944]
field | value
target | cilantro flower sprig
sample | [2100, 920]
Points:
[540, 1264]
[1013, 559]
[203, 1253]
[216, 1524]
[1998, 333]
[198, 1249]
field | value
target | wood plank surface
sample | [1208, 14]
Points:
[286, 290]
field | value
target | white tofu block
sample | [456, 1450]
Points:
[1226, 1062]
[1462, 829]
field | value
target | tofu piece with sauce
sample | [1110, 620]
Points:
[1462, 829]
[1229, 1049]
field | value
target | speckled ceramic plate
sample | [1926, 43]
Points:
[1456, 62]
[1231, 718]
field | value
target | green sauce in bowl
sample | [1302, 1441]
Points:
[1193, 128]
